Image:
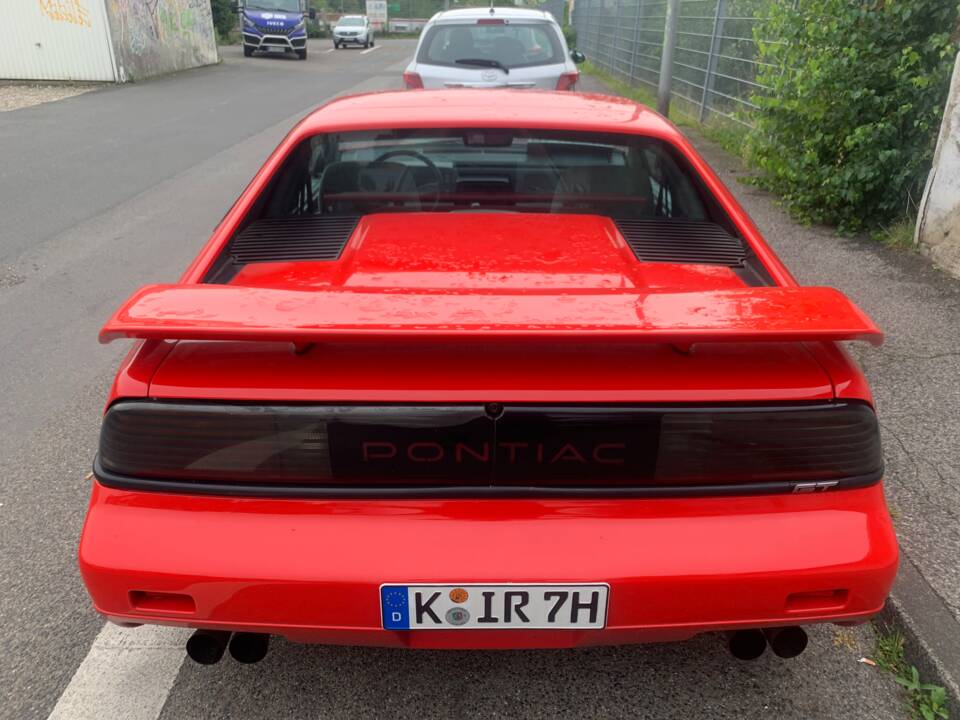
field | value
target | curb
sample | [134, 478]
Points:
[930, 630]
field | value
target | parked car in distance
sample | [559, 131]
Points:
[493, 47]
[488, 369]
[353, 30]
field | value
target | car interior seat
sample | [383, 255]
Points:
[509, 51]
[460, 45]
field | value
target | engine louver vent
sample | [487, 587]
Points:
[682, 241]
[296, 238]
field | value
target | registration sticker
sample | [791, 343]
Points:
[492, 607]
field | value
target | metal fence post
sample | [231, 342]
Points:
[616, 40]
[666, 58]
[636, 42]
[710, 76]
[591, 22]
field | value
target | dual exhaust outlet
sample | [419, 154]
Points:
[208, 646]
[786, 642]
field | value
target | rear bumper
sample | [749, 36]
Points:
[311, 569]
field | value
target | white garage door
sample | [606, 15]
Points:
[56, 40]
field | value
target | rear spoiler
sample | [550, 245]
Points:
[229, 312]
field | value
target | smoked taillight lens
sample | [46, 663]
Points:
[469, 445]
[814, 443]
[237, 443]
[412, 81]
[294, 444]
[568, 81]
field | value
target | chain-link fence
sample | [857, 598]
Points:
[715, 59]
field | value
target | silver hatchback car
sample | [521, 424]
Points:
[493, 47]
[353, 30]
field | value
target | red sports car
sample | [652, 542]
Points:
[487, 369]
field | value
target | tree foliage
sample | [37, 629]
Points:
[857, 89]
[224, 16]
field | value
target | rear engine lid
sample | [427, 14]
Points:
[483, 252]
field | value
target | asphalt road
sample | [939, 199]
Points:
[115, 188]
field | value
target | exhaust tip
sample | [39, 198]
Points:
[787, 642]
[249, 647]
[747, 644]
[207, 646]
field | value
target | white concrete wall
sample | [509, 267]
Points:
[55, 40]
[938, 225]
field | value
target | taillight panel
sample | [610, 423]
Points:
[568, 81]
[318, 445]
[412, 81]
[489, 448]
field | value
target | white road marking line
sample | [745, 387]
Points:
[127, 674]
[370, 50]
[330, 50]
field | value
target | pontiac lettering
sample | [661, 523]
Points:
[511, 453]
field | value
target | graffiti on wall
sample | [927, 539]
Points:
[147, 23]
[158, 36]
[68, 11]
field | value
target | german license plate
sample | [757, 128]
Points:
[493, 607]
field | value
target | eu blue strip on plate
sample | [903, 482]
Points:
[395, 608]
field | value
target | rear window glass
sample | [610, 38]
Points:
[513, 45]
[476, 170]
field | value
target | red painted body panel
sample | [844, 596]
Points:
[456, 372]
[306, 274]
[311, 569]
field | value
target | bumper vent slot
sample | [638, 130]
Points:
[682, 241]
[298, 238]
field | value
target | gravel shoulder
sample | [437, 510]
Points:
[17, 95]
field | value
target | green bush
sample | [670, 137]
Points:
[224, 18]
[570, 35]
[847, 132]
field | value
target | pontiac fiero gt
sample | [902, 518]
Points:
[487, 369]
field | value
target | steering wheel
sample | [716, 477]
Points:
[422, 158]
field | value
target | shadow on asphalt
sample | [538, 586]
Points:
[697, 678]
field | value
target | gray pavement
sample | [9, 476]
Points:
[101, 193]
[117, 187]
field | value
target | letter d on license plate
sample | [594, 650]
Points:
[493, 607]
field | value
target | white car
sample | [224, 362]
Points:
[493, 47]
[353, 30]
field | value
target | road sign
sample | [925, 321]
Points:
[377, 12]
